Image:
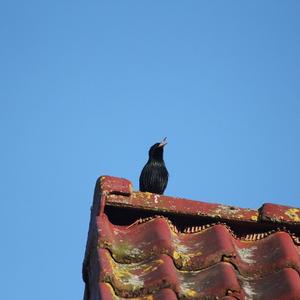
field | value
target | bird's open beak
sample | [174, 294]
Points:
[163, 142]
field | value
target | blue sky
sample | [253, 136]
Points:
[88, 87]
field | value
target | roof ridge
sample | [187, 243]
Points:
[120, 188]
[145, 242]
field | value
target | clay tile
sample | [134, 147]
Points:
[280, 213]
[115, 185]
[144, 246]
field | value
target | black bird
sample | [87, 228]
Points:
[154, 176]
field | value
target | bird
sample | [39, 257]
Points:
[154, 175]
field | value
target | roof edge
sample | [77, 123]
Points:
[267, 213]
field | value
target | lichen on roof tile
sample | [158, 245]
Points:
[145, 246]
[249, 290]
[293, 214]
[246, 254]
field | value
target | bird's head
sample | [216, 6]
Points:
[156, 151]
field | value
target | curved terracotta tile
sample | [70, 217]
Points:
[265, 256]
[199, 250]
[107, 293]
[280, 213]
[151, 260]
[189, 251]
[139, 279]
[282, 285]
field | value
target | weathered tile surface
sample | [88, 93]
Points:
[162, 256]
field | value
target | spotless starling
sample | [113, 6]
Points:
[154, 176]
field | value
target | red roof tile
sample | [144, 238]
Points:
[147, 246]
[107, 292]
[280, 213]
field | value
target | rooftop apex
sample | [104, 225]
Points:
[120, 194]
[147, 245]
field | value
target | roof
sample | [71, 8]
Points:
[148, 246]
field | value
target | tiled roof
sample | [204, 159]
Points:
[148, 246]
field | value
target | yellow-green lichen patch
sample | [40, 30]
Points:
[152, 267]
[131, 276]
[125, 278]
[183, 254]
[150, 297]
[226, 209]
[254, 217]
[293, 214]
[148, 195]
[102, 178]
[104, 244]
[125, 250]
[234, 212]
[187, 289]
